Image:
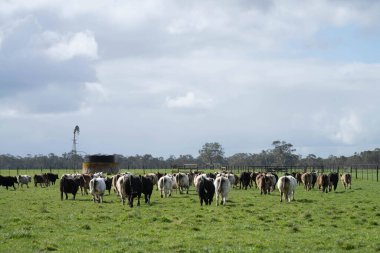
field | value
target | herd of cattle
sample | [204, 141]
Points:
[218, 184]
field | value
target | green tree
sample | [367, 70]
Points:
[211, 153]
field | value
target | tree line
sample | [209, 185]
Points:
[211, 154]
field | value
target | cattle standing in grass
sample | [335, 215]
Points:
[182, 181]
[333, 180]
[85, 183]
[120, 186]
[108, 182]
[114, 182]
[40, 179]
[313, 179]
[24, 179]
[307, 180]
[253, 178]
[97, 189]
[69, 184]
[52, 178]
[346, 180]
[8, 181]
[165, 186]
[191, 176]
[206, 190]
[287, 185]
[245, 180]
[133, 189]
[153, 178]
[222, 187]
[272, 181]
[263, 183]
[323, 182]
[147, 188]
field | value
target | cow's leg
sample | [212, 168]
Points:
[162, 195]
[66, 195]
[138, 199]
[281, 193]
[74, 196]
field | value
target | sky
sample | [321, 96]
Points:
[165, 77]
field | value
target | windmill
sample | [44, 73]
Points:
[74, 149]
[76, 133]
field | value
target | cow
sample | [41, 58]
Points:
[263, 182]
[191, 176]
[153, 178]
[114, 182]
[8, 181]
[97, 189]
[24, 179]
[245, 180]
[147, 188]
[323, 182]
[222, 187]
[313, 179]
[182, 181]
[253, 178]
[287, 186]
[333, 180]
[51, 177]
[346, 180]
[133, 188]
[272, 181]
[85, 183]
[165, 185]
[206, 190]
[108, 181]
[69, 184]
[307, 180]
[40, 179]
[120, 187]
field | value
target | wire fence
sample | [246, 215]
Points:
[357, 171]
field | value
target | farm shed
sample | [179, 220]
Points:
[100, 163]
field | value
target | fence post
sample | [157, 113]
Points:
[356, 172]
[377, 173]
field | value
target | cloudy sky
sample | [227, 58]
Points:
[164, 77]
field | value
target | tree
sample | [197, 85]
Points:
[283, 153]
[211, 153]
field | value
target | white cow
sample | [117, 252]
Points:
[120, 187]
[165, 186]
[182, 180]
[97, 189]
[287, 186]
[24, 179]
[222, 188]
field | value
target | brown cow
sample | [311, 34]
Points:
[307, 180]
[346, 180]
[263, 183]
[323, 182]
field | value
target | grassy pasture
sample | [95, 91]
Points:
[36, 220]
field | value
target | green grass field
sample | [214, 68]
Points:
[36, 220]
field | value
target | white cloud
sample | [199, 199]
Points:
[349, 129]
[190, 100]
[81, 44]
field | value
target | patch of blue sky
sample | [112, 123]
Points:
[347, 43]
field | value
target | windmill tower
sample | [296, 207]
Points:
[74, 148]
[76, 133]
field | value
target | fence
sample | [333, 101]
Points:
[358, 171]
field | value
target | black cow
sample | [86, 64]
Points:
[8, 181]
[51, 178]
[108, 182]
[245, 180]
[133, 188]
[69, 184]
[314, 179]
[333, 179]
[206, 191]
[40, 179]
[147, 188]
